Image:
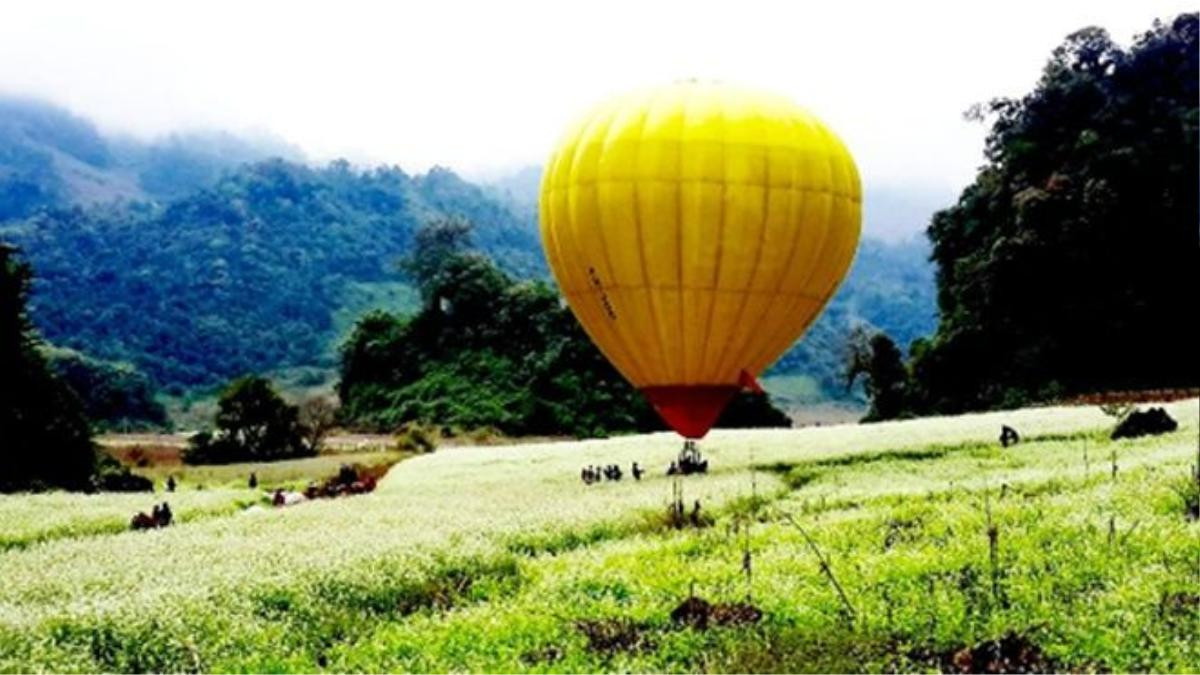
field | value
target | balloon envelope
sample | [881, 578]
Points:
[697, 230]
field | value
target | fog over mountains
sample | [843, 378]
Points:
[200, 256]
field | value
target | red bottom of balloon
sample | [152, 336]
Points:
[690, 410]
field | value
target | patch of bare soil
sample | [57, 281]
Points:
[1180, 607]
[608, 636]
[548, 654]
[1012, 653]
[700, 614]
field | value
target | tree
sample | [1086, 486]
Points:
[45, 440]
[489, 351]
[436, 245]
[875, 357]
[253, 424]
[115, 395]
[1066, 266]
[749, 410]
[317, 415]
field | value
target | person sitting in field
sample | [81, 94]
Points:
[1008, 436]
[164, 516]
[636, 471]
[253, 482]
[278, 499]
[141, 521]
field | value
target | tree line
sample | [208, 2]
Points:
[1068, 266]
[487, 350]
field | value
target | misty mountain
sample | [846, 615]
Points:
[52, 158]
[197, 260]
[250, 274]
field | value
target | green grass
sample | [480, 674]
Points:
[203, 492]
[288, 473]
[498, 559]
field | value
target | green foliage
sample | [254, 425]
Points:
[253, 424]
[488, 351]
[1066, 266]
[434, 246]
[112, 476]
[889, 288]
[247, 275]
[419, 578]
[751, 411]
[115, 396]
[234, 268]
[415, 438]
[879, 361]
[45, 440]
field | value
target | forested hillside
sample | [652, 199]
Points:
[245, 275]
[51, 158]
[198, 259]
[1069, 265]
[889, 288]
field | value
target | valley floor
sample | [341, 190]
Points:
[910, 545]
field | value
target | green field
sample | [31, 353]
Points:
[499, 559]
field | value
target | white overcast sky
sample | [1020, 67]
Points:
[486, 86]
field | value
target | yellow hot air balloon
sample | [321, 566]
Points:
[697, 230]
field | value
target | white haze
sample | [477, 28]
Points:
[486, 87]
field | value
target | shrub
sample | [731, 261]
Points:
[414, 437]
[253, 424]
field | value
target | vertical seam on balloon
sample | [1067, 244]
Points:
[797, 234]
[819, 130]
[600, 323]
[649, 293]
[831, 159]
[597, 326]
[681, 304]
[712, 308]
[762, 236]
[850, 170]
[545, 218]
[616, 329]
[820, 304]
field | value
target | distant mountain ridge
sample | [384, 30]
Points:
[199, 257]
[52, 158]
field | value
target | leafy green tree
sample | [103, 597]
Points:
[114, 395]
[253, 424]
[875, 358]
[434, 247]
[45, 440]
[488, 351]
[748, 410]
[1068, 265]
[249, 273]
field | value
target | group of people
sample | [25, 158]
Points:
[596, 474]
[160, 516]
